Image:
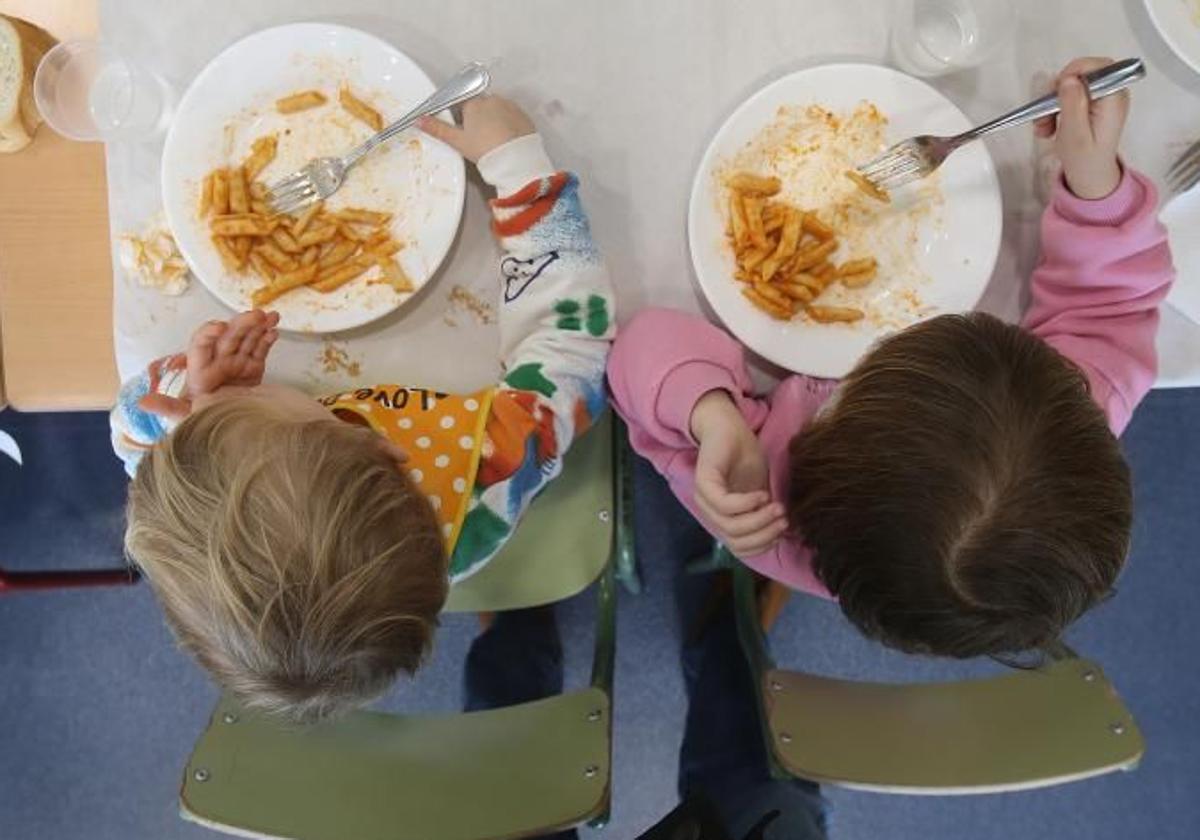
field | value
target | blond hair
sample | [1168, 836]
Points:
[294, 559]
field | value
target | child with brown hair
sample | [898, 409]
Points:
[962, 491]
[302, 550]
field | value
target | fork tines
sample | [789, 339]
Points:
[894, 168]
[1185, 172]
[292, 193]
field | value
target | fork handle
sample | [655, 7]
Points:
[1100, 83]
[466, 84]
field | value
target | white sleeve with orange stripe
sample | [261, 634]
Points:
[556, 299]
[556, 327]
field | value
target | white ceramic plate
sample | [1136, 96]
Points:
[1178, 340]
[1178, 22]
[1181, 215]
[956, 251]
[418, 179]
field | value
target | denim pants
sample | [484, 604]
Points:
[723, 759]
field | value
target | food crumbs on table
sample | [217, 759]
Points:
[334, 358]
[153, 258]
[464, 300]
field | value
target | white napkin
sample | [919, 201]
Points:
[1179, 332]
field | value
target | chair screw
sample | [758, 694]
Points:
[604, 515]
[594, 715]
[785, 737]
[1117, 728]
[591, 770]
[1089, 676]
[201, 775]
[228, 717]
[776, 685]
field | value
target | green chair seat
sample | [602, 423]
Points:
[1025, 729]
[512, 772]
[521, 771]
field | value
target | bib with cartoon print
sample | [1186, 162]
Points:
[442, 434]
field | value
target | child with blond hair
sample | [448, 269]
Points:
[302, 549]
[961, 492]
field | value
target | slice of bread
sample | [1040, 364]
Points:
[22, 46]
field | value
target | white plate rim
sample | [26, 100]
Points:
[707, 160]
[274, 31]
[1189, 54]
[1178, 215]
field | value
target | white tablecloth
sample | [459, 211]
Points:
[627, 94]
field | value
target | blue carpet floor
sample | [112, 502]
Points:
[98, 710]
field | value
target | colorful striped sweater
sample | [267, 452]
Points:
[556, 324]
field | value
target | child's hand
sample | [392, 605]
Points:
[232, 352]
[732, 490]
[1086, 134]
[488, 122]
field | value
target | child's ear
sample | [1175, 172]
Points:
[396, 453]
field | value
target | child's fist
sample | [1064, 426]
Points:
[1086, 133]
[488, 122]
[732, 478]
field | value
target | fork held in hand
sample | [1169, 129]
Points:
[322, 177]
[917, 157]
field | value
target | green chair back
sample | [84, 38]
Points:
[520, 771]
[505, 773]
[563, 541]
[1024, 729]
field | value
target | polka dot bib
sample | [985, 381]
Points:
[442, 434]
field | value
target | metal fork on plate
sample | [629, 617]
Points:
[322, 177]
[1185, 172]
[918, 157]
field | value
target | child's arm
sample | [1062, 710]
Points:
[219, 353]
[1105, 269]
[682, 386]
[661, 365]
[556, 322]
[1105, 265]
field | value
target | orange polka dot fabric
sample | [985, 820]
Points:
[442, 434]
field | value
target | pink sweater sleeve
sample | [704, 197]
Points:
[662, 362]
[1105, 269]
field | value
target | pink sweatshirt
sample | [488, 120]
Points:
[1105, 268]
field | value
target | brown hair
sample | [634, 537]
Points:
[963, 494]
[293, 559]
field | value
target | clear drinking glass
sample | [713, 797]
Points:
[933, 37]
[86, 90]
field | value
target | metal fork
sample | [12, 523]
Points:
[1185, 172]
[918, 157]
[322, 177]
